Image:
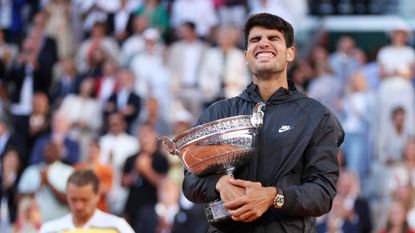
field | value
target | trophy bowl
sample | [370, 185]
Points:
[217, 146]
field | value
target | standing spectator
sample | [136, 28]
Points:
[223, 73]
[331, 97]
[200, 12]
[65, 81]
[134, 44]
[9, 178]
[116, 146]
[152, 81]
[143, 173]
[233, 13]
[84, 114]
[184, 59]
[98, 40]
[358, 109]
[120, 20]
[396, 219]
[125, 101]
[397, 62]
[106, 84]
[46, 181]
[39, 120]
[156, 15]
[59, 26]
[343, 61]
[103, 171]
[82, 194]
[59, 135]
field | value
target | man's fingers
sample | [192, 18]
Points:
[241, 183]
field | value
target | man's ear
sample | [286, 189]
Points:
[291, 54]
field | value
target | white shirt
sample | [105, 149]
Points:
[393, 58]
[100, 222]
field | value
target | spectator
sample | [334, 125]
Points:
[65, 81]
[134, 44]
[152, 81]
[84, 114]
[125, 101]
[59, 135]
[223, 73]
[120, 21]
[184, 59]
[9, 178]
[103, 171]
[29, 218]
[106, 84]
[397, 219]
[156, 15]
[82, 196]
[86, 59]
[39, 122]
[143, 173]
[201, 12]
[392, 144]
[343, 60]
[46, 181]
[116, 146]
[59, 26]
[168, 215]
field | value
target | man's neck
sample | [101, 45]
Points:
[268, 86]
[80, 222]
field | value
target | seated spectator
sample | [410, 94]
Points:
[82, 194]
[46, 181]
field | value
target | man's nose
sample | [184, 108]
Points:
[264, 42]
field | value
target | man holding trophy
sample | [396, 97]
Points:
[290, 177]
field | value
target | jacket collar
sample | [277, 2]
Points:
[282, 95]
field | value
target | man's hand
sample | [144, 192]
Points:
[228, 192]
[253, 204]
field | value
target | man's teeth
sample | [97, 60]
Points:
[264, 55]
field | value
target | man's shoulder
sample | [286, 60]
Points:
[57, 225]
[106, 220]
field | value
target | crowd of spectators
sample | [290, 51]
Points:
[90, 83]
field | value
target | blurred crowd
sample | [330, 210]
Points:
[92, 83]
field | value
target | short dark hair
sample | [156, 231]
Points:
[270, 21]
[83, 177]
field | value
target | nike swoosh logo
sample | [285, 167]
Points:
[284, 128]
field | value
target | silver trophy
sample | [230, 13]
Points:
[217, 147]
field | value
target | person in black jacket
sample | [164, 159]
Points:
[291, 178]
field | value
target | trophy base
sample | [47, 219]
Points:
[215, 212]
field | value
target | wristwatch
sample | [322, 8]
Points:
[279, 199]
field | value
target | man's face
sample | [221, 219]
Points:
[82, 201]
[266, 52]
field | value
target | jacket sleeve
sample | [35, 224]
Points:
[314, 197]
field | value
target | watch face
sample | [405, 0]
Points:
[279, 201]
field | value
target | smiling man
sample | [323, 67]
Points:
[292, 177]
[83, 196]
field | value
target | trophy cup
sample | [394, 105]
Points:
[217, 147]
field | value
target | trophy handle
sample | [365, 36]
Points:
[257, 115]
[169, 145]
